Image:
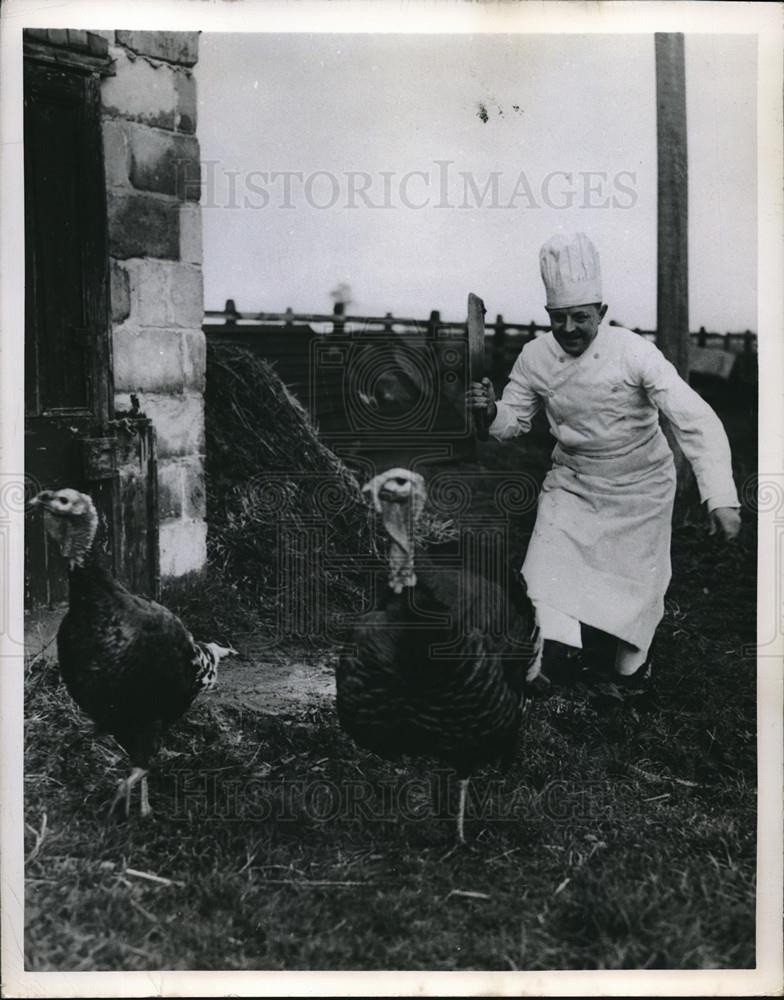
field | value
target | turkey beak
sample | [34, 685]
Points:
[41, 500]
[369, 491]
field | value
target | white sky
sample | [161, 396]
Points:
[392, 104]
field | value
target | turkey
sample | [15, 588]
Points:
[438, 669]
[128, 662]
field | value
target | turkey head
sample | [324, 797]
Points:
[399, 495]
[71, 520]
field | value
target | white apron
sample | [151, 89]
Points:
[600, 551]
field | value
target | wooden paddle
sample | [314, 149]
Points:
[476, 357]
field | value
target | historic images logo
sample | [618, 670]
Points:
[440, 185]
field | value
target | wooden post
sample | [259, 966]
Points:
[499, 349]
[672, 291]
[672, 277]
[230, 312]
[433, 324]
[338, 322]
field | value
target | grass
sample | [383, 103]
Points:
[608, 844]
[622, 837]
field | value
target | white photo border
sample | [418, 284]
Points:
[449, 17]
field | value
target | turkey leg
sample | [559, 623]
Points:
[123, 793]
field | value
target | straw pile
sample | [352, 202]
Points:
[286, 516]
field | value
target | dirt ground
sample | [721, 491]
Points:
[283, 686]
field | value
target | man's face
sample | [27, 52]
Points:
[574, 328]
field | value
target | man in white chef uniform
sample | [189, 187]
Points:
[599, 555]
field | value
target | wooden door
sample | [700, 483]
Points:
[71, 438]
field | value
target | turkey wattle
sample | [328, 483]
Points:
[439, 668]
[127, 661]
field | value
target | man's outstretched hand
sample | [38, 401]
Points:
[481, 396]
[726, 519]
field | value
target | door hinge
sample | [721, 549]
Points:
[99, 457]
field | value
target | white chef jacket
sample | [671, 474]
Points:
[600, 551]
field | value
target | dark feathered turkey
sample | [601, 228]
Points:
[127, 661]
[439, 668]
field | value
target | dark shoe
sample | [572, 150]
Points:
[635, 691]
[561, 664]
[639, 681]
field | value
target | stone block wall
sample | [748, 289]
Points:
[151, 157]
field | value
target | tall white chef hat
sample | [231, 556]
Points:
[570, 271]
